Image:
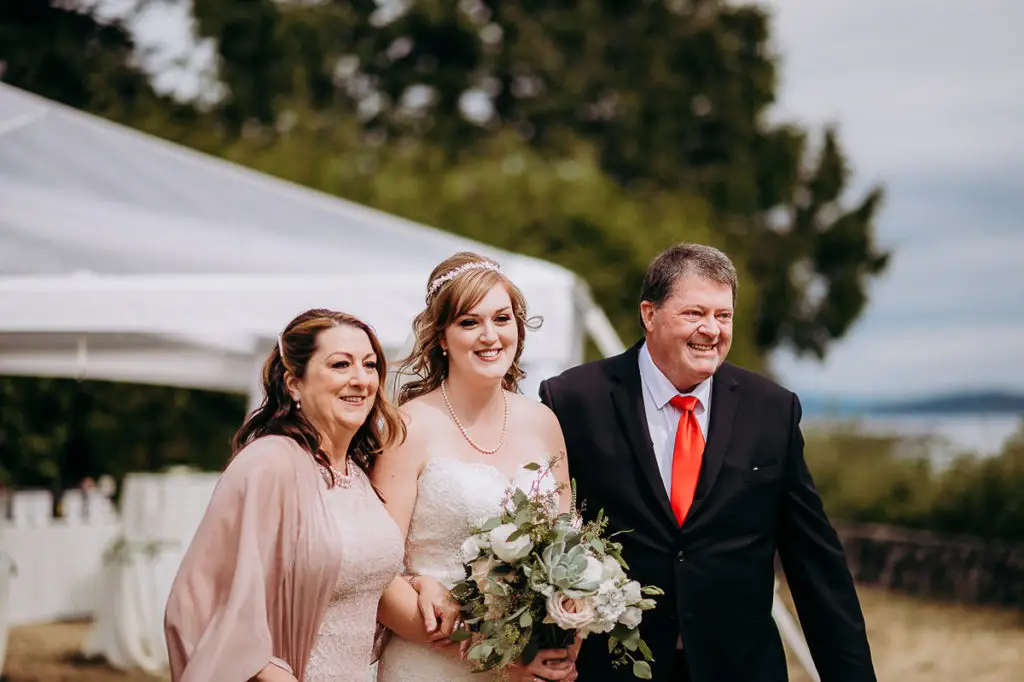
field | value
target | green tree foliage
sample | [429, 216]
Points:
[506, 194]
[889, 480]
[672, 93]
[67, 55]
[56, 432]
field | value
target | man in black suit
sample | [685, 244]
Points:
[702, 462]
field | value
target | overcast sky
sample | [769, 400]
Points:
[929, 98]
[930, 101]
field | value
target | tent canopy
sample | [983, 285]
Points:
[125, 257]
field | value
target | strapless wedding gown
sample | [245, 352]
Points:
[452, 495]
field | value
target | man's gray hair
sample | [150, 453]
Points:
[686, 259]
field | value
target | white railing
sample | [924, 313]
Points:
[93, 562]
[58, 559]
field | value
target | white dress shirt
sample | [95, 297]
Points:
[663, 418]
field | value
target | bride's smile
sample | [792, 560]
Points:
[486, 337]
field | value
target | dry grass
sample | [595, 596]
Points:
[917, 641]
[912, 641]
[48, 653]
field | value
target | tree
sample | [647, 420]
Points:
[506, 194]
[56, 432]
[669, 92]
[65, 53]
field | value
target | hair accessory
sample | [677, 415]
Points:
[441, 280]
[280, 346]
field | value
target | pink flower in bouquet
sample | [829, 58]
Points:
[568, 613]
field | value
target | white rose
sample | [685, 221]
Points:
[509, 551]
[632, 592]
[592, 575]
[612, 568]
[631, 617]
[568, 613]
[470, 549]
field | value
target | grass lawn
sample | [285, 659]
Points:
[912, 641]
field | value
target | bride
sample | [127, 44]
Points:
[470, 433]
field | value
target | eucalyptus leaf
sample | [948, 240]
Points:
[642, 669]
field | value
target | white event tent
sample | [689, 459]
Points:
[125, 257]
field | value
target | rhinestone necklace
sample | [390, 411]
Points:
[341, 479]
[455, 418]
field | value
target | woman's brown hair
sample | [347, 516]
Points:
[446, 301]
[279, 415]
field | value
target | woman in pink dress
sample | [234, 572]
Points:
[282, 580]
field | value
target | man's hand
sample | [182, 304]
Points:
[549, 664]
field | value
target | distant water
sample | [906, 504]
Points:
[955, 434]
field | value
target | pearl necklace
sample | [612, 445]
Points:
[455, 418]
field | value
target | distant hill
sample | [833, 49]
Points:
[967, 402]
[990, 402]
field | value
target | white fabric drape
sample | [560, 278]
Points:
[160, 513]
[7, 570]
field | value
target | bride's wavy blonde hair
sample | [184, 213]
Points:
[444, 305]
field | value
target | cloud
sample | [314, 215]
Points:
[911, 362]
[929, 102]
[912, 85]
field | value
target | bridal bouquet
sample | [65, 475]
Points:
[537, 579]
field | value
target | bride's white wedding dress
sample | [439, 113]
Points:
[452, 495]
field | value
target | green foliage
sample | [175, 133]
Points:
[67, 55]
[669, 93]
[563, 209]
[56, 432]
[879, 479]
[618, 129]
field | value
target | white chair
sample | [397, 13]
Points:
[72, 505]
[31, 508]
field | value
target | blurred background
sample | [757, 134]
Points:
[178, 178]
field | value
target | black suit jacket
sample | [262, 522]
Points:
[754, 498]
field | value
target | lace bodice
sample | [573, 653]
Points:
[371, 547]
[451, 496]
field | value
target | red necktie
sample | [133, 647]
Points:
[686, 456]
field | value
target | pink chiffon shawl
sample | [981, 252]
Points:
[256, 580]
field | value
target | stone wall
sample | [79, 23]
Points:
[957, 569]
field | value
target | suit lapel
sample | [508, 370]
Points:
[627, 395]
[724, 404]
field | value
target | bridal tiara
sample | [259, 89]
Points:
[441, 280]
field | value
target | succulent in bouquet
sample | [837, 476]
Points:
[538, 579]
